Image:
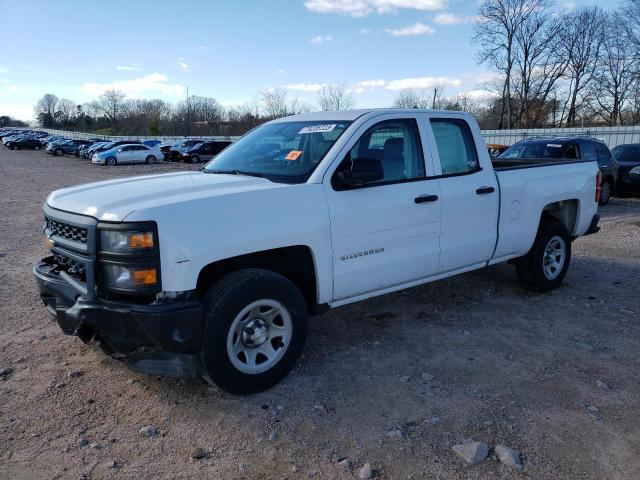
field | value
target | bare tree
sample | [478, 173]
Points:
[335, 97]
[495, 30]
[45, 110]
[65, 111]
[582, 39]
[298, 105]
[420, 98]
[616, 73]
[274, 102]
[111, 104]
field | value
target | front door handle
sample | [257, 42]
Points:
[485, 190]
[426, 198]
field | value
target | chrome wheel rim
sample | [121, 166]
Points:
[259, 336]
[554, 255]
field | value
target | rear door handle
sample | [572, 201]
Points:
[485, 190]
[426, 198]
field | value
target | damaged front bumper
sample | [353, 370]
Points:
[159, 339]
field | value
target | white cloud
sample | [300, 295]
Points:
[452, 19]
[423, 82]
[306, 87]
[182, 64]
[148, 85]
[361, 8]
[203, 47]
[21, 111]
[569, 5]
[280, 71]
[478, 94]
[320, 39]
[487, 77]
[14, 88]
[128, 68]
[4, 80]
[415, 29]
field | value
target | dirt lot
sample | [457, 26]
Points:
[508, 366]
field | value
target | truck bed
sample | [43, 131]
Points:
[515, 163]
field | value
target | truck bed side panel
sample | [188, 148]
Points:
[524, 193]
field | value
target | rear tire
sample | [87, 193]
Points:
[195, 159]
[605, 192]
[249, 312]
[546, 264]
[150, 159]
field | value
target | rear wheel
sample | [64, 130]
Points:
[195, 159]
[111, 161]
[605, 192]
[13, 147]
[546, 264]
[255, 329]
[59, 152]
[37, 147]
[150, 159]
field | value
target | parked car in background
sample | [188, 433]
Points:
[51, 139]
[129, 153]
[556, 149]
[151, 143]
[23, 142]
[495, 149]
[112, 145]
[205, 151]
[165, 148]
[59, 148]
[181, 146]
[628, 157]
[90, 150]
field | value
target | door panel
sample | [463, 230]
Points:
[381, 235]
[470, 196]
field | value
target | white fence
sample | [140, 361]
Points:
[612, 136]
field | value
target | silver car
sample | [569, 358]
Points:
[132, 153]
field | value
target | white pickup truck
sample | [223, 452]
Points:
[214, 273]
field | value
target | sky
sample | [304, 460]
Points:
[230, 50]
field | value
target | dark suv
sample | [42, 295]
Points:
[628, 157]
[205, 151]
[570, 148]
[65, 146]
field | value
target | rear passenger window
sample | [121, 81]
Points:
[589, 151]
[603, 151]
[456, 148]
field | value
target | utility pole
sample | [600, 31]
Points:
[188, 114]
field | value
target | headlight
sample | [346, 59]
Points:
[635, 171]
[126, 242]
[122, 277]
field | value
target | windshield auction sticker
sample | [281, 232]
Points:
[293, 155]
[318, 128]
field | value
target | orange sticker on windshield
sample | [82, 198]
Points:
[293, 155]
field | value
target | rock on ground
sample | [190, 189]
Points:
[508, 456]
[365, 472]
[472, 452]
[148, 431]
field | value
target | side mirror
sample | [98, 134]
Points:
[120, 150]
[361, 172]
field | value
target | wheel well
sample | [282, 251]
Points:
[295, 263]
[566, 211]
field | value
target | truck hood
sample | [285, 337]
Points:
[114, 200]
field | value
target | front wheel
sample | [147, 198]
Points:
[195, 159]
[111, 161]
[59, 152]
[546, 264]
[605, 192]
[255, 329]
[36, 147]
[150, 159]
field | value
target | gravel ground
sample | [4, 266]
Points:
[394, 382]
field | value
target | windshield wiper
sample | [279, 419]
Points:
[235, 172]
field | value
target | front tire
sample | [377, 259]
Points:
[111, 161]
[59, 152]
[255, 329]
[195, 159]
[546, 264]
[605, 192]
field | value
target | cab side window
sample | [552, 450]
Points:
[603, 151]
[456, 148]
[589, 152]
[396, 144]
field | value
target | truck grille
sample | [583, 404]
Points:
[64, 230]
[73, 268]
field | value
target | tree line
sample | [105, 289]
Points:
[551, 68]
[114, 113]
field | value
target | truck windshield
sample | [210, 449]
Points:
[284, 152]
